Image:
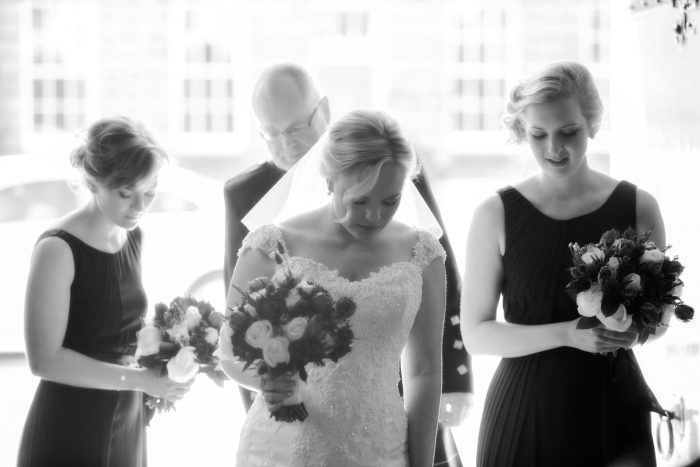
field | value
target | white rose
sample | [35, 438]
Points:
[613, 263]
[276, 350]
[306, 287]
[263, 292]
[183, 366]
[251, 310]
[192, 317]
[295, 328]
[652, 256]
[180, 332]
[225, 350]
[148, 341]
[620, 321]
[211, 336]
[591, 254]
[258, 333]
[589, 301]
[292, 298]
[255, 296]
[669, 311]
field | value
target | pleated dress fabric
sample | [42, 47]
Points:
[74, 426]
[561, 407]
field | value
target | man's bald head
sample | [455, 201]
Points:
[281, 81]
[287, 96]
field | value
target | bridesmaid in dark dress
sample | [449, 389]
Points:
[554, 399]
[83, 307]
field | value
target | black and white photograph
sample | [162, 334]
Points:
[335, 233]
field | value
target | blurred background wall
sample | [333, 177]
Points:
[443, 68]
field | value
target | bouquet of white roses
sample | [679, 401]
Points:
[180, 341]
[625, 279]
[281, 326]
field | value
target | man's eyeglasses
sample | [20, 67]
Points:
[293, 131]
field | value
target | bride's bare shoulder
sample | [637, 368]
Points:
[401, 234]
[307, 221]
[300, 229]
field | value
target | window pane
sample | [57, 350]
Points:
[37, 89]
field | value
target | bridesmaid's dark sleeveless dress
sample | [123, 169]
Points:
[561, 407]
[73, 426]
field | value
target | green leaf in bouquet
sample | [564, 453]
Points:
[302, 374]
[161, 308]
[148, 361]
[609, 306]
[577, 286]
[673, 266]
[167, 350]
[587, 322]
[609, 237]
[630, 233]
[644, 334]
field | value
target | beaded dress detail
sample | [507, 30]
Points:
[356, 416]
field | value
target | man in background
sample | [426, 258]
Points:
[293, 113]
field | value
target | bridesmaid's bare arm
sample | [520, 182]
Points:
[481, 289]
[47, 303]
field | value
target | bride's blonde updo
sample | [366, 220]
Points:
[117, 152]
[359, 144]
[553, 81]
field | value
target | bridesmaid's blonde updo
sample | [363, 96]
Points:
[117, 152]
[359, 144]
[554, 81]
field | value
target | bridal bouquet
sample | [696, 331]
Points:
[625, 278]
[282, 325]
[179, 341]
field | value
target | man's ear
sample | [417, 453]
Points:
[326, 110]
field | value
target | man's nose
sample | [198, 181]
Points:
[287, 140]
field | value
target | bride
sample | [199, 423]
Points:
[375, 241]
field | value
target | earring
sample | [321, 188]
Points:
[329, 193]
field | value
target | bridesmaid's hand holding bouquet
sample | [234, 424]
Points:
[179, 342]
[625, 279]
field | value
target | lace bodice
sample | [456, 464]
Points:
[355, 411]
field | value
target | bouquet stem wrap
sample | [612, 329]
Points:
[293, 408]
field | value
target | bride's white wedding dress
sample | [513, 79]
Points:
[356, 416]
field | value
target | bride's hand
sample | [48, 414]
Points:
[599, 339]
[276, 390]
